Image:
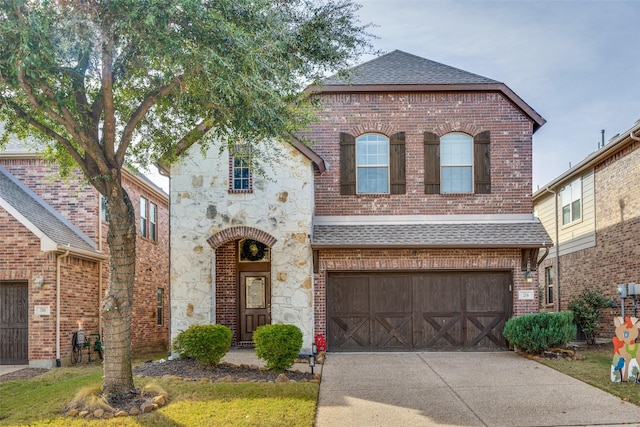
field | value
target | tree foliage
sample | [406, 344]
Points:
[110, 82]
[587, 314]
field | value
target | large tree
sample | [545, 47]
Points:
[105, 83]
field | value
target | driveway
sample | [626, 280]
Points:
[459, 389]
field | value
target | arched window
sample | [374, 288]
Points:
[456, 163]
[372, 163]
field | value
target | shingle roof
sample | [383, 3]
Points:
[401, 68]
[527, 234]
[46, 219]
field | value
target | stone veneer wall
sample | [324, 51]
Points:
[280, 205]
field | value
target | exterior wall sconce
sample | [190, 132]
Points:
[528, 276]
[38, 281]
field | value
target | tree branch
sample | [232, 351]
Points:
[148, 102]
[109, 129]
[187, 141]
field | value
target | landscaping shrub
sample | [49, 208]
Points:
[206, 343]
[586, 312]
[278, 345]
[537, 332]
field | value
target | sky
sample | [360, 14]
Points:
[574, 62]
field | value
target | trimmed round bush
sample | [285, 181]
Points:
[278, 345]
[206, 343]
[537, 332]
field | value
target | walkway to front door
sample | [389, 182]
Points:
[459, 389]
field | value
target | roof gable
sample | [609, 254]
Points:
[401, 68]
[402, 72]
[55, 231]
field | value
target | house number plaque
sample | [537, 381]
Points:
[254, 289]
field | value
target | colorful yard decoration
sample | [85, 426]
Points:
[624, 366]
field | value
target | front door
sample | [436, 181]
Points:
[255, 302]
[14, 317]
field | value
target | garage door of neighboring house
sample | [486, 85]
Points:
[413, 311]
[14, 316]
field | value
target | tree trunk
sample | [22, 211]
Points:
[117, 306]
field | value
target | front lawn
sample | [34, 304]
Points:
[40, 401]
[595, 370]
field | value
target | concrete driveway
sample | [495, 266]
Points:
[459, 389]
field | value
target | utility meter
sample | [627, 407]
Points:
[633, 289]
[622, 291]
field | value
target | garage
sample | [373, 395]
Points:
[458, 310]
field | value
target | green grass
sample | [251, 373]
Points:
[40, 401]
[595, 370]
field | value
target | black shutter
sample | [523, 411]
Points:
[431, 163]
[397, 161]
[482, 162]
[347, 164]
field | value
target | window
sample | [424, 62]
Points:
[372, 163]
[241, 175]
[571, 196]
[159, 307]
[143, 217]
[548, 285]
[457, 163]
[456, 157]
[153, 220]
[148, 219]
[104, 212]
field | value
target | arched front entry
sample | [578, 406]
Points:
[242, 280]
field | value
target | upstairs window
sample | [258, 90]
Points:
[372, 164]
[240, 176]
[153, 221]
[571, 199]
[456, 163]
[104, 209]
[372, 160]
[148, 219]
[143, 217]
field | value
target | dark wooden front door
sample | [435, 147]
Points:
[255, 302]
[14, 319]
[408, 311]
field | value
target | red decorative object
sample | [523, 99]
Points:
[321, 342]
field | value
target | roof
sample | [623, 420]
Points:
[399, 71]
[401, 68]
[518, 233]
[616, 144]
[56, 233]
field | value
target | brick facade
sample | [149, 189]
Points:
[21, 261]
[415, 113]
[615, 259]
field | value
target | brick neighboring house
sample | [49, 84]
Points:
[592, 212]
[54, 248]
[408, 225]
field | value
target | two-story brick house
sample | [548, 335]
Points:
[54, 264]
[592, 212]
[407, 226]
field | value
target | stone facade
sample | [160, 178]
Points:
[81, 280]
[207, 221]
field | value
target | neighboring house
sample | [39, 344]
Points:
[408, 225]
[54, 264]
[592, 212]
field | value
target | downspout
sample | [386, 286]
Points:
[64, 255]
[557, 246]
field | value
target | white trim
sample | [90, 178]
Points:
[423, 219]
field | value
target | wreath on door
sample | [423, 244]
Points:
[253, 250]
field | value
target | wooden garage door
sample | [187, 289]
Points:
[413, 311]
[14, 317]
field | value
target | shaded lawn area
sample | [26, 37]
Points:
[595, 370]
[40, 401]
